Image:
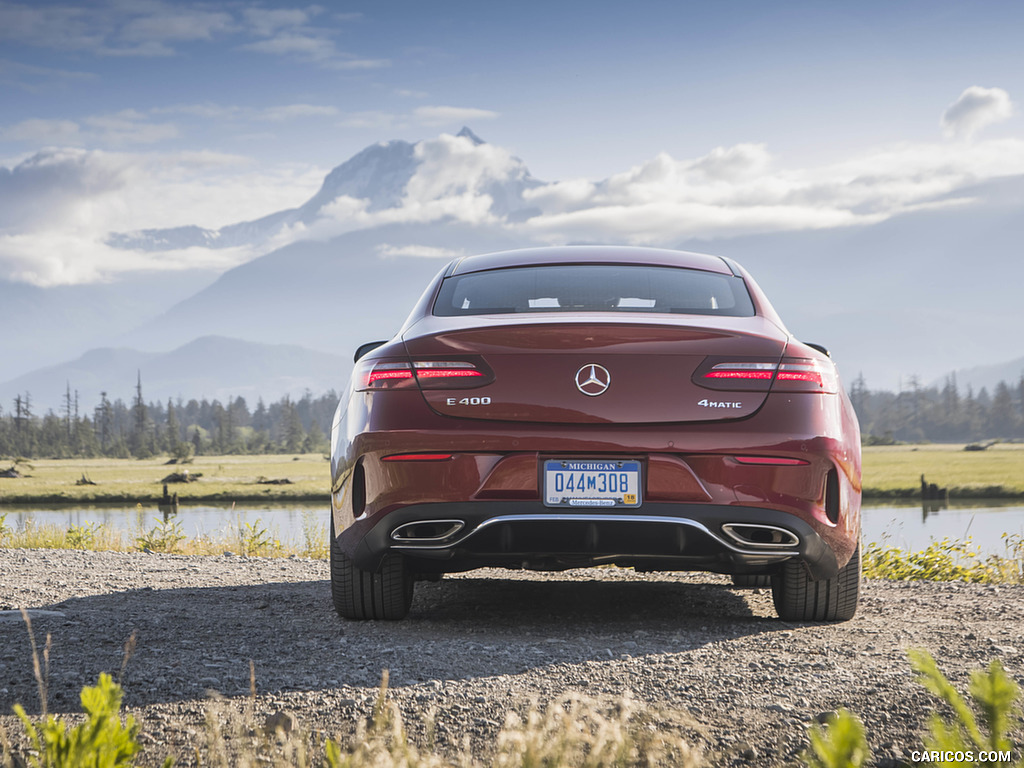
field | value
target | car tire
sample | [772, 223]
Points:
[797, 598]
[751, 580]
[382, 594]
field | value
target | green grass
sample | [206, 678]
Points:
[889, 472]
[224, 478]
[251, 539]
[947, 560]
[894, 471]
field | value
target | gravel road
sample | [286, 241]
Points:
[726, 673]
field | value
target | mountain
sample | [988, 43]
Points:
[987, 376]
[380, 175]
[919, 294]
[211, 367]
[330, 296]
[44, 326]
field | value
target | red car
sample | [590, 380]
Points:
[563, 407]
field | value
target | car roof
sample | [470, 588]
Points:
[591, 254]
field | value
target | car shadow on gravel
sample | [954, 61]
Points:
[194, 640]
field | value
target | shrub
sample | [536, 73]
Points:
[101, 741]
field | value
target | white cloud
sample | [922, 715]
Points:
[976, 108]
[73, 196]
[110, 130]
[383, 121]
[300, 44]
[38, 131]
[742, 189]
[179, 24]
[151, 28]
[267, 21]
[437, 116]
[295, 111]
[420, 251]
[58, 207]
[35, 79]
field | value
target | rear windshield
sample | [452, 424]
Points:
[593, 288]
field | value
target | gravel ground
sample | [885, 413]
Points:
[712, 659]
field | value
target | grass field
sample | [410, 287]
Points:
[224, 478]
[889, 472]
[895, 470]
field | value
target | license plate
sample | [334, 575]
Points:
[573, 483]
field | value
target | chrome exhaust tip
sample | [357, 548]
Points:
[426, 531]
[755, 536]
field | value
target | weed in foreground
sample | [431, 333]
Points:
[839, 744]
[946, 560]
[995, 696]
[315, 536]
[958, 738]
[102, 740]
[162, 537]
[81, 536]
[255, 540]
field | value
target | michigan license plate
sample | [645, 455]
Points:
[573, 483]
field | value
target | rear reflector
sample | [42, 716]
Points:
[771, 461]
[418, 457]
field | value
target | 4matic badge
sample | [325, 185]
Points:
[718, 404]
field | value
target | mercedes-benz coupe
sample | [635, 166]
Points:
[555, 408]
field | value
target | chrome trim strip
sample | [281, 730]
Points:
[684, 521]
[727, 528]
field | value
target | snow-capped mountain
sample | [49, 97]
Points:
[382, 177]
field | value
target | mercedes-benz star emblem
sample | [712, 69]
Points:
[593, 379]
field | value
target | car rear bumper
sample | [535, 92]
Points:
[446, 537]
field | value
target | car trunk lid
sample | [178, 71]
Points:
[604, 370]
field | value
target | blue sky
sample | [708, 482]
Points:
[142, 113]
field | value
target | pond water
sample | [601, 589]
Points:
[915, 526]
[908, 526]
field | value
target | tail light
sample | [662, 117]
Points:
[381, 374]
[806, 375]
[791, 374]
[428, 374]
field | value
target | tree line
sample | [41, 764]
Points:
[943, 413]
[177, 428]
[181, 429]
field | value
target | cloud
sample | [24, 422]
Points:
[68, 196]
[34, 79]
[420, 251]
[39, 131]
[976, 108]
[303, 45]
[743, 190]
[178, 24]
[268, 21]
[294, 111]
[58, 207]
[383, 121]
[438, 116]
[110, 130]
[154, 28]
